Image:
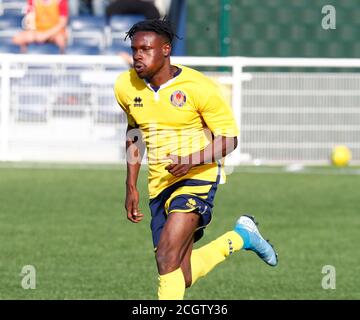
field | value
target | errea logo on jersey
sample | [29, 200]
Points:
[138, 102]
[178, 98]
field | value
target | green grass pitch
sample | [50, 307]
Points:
[70, 225]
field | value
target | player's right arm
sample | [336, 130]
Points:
[134, 148]
[134, 154]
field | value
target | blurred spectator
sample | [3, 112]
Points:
[45, 21]
[143, 7]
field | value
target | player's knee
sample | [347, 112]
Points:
[167, 260]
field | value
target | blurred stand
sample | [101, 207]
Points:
[146, 8]
[88, 7]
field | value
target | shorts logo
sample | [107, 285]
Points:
[178, 98]
[191, 203]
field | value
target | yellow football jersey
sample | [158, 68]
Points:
[178, 118]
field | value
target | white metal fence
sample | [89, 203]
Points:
[62, 108]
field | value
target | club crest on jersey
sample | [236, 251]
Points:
[178, 98]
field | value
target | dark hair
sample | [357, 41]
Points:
[162, 27]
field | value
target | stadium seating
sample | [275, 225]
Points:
[9, 26]
[87, 29]
[119, 25]
[93, 41]
[115, 49]
[79, 49]
[87, 23]
[10, 21]
[6, 47]
[87, 34]
[6, 39]
[12, 7]
[44, 48]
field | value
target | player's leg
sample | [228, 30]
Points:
[199, 262]
[244, 236]
[198, 197]
[195, 264]
[176, 237]
[186, 265]
[207, 257]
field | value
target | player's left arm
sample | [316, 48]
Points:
[219, 147]
[219, 118]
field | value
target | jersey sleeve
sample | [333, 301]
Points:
[123, 101]
[29, 6]
[216, 112]
[63, 8]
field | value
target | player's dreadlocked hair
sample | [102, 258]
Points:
[162, 27]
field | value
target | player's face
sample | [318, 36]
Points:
[150, 53]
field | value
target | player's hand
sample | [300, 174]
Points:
[179, 166]
[132, 205]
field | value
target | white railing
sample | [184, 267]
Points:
[61, 108]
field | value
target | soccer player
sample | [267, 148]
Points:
[187, 128]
